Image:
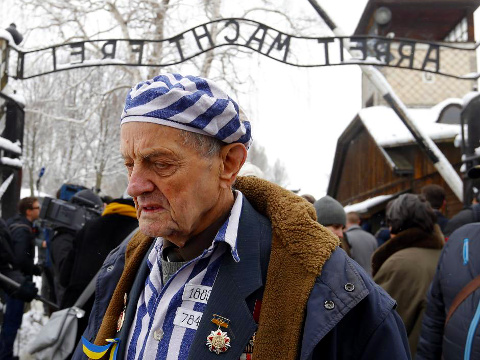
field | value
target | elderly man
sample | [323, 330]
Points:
[224, 267]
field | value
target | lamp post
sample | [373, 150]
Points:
[17, 37]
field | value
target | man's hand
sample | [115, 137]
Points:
[26, 292]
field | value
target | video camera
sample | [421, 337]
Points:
[59, 213]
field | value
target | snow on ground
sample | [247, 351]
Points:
[31, 325]
[32, 322]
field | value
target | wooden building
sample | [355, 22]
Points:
[376, 157]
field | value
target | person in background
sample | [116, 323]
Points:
[27, 291]
[435, 195]
[23, 246]
[250, 169]
[459, 265]
[458, 338]
[470, 214]
[330, 214]
[383, 234]
[90, 248]
[404, 266]
[63, 238]
[309, 198]
[362, 243]
[192, 283]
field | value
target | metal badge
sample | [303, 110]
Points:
[158, 334]
[121, 318]
[218, 341]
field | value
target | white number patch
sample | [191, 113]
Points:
[197, 293]
[187, 318]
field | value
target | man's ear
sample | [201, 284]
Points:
[233, 157]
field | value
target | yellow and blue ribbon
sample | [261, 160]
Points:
[97, 352]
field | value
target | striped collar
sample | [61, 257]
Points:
[229, 230]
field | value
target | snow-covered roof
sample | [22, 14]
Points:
[388, 130]
[364, 206]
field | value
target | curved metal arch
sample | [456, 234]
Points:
[255, 36]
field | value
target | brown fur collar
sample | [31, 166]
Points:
[413, 237]
[300, 247]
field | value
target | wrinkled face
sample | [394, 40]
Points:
[176, 190]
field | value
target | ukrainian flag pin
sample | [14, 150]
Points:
[97, 352]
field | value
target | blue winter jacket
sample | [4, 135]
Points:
[459, 263]
[362, 324]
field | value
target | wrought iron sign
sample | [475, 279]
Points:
[288, 49]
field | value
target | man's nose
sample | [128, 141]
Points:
[139, 182]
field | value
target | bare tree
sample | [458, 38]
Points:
[279, 174]
[73, 117]
[258, 157]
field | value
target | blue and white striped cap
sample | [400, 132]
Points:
[189, 103]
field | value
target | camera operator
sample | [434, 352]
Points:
[64, 235]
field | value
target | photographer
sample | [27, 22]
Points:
[22, 234]
[64, 235]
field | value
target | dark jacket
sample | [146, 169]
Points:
[459, 263]
[91, 246]
[466, 216]
[7, 259]
[60, 247]
[442, 220]
[23, 244]
[347, 316]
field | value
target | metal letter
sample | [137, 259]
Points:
[54, 55]
[138, 49]
[341, 49]
[205, 34]
[435, 60]
[383, 52]
[111, 54]
[362, 47]
[325, 42]
[81, 51]
[176, 40]
[280, 45]
[403, 56]
[260, 40]
[237, 26]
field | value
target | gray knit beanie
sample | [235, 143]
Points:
[330, 211]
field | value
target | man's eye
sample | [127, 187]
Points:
[162, 166]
